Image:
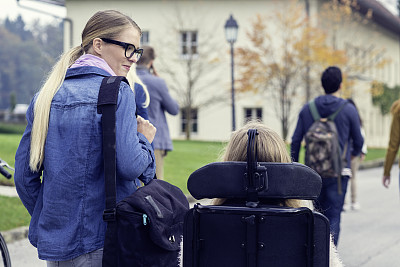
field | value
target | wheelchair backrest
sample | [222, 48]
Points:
[246, 232]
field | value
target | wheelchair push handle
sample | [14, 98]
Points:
[3, 171]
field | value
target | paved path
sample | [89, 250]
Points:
[369, 238]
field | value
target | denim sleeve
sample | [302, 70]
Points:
[27, 183]
[134, 153]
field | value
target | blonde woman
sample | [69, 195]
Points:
[270, 148]
[59, 164]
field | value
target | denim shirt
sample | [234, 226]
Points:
[66, 198]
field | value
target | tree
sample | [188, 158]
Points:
[49, 37]
[18, 27]
[279, 54]
[25, 59]
[342, 18]
[288, 56]
[383, 96]
[194, 63]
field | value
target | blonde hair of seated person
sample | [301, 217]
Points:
[270, 148]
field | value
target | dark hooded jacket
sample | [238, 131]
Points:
[347, 124]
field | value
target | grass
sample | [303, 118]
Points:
[9, 144]
[12, 128]
[187, 157]
[13, 213]
[179, 164]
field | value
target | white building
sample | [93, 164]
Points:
[174, 27]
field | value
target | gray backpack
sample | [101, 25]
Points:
[323, 153]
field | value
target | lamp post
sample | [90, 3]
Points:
[231, 30]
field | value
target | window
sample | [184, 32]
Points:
[193, 120]
[188, 43]
[252, 114]
[144, 39]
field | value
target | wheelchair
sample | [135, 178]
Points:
[252, 228]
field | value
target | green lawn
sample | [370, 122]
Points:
[179, 164]
[13, 213]
[9, 144]
[187, 157]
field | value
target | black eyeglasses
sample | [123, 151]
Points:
[130, 49]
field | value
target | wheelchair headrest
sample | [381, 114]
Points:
[275, 181]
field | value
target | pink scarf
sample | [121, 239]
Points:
[92, 60]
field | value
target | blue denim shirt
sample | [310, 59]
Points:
[67, 203]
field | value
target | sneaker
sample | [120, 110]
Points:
[346, 207]
[355, 206]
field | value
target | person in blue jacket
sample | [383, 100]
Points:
[59, 169]
[161, 102]
[330, 201]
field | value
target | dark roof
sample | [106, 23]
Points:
[380, 15]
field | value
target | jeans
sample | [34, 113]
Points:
[330, 203]
[92, 259]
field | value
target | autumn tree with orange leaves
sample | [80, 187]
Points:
[342, 17]
[275, 62]
[284, 59]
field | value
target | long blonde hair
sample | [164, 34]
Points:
[270, 148]
[103, 24]
[134, 78]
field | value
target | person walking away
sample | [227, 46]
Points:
[161, 103]
[330, 201]
[351, 202]
[59, 168]
[394, 142]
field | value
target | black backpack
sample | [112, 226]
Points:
[144, 229]
[323, 153]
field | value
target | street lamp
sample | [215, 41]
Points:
[231, 30]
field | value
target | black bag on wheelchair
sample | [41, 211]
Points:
[251, 229]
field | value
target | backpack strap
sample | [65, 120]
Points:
[333, 115]
[314, 111]
[107, 105]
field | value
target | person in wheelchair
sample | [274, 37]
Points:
[271, 148]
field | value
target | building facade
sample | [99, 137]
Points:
[194, 58]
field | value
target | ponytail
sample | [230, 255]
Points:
[43, 104]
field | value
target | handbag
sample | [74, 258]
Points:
[145, 228]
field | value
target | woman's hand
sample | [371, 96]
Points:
[146, 128]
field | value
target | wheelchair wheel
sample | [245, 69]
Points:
[5, 255]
